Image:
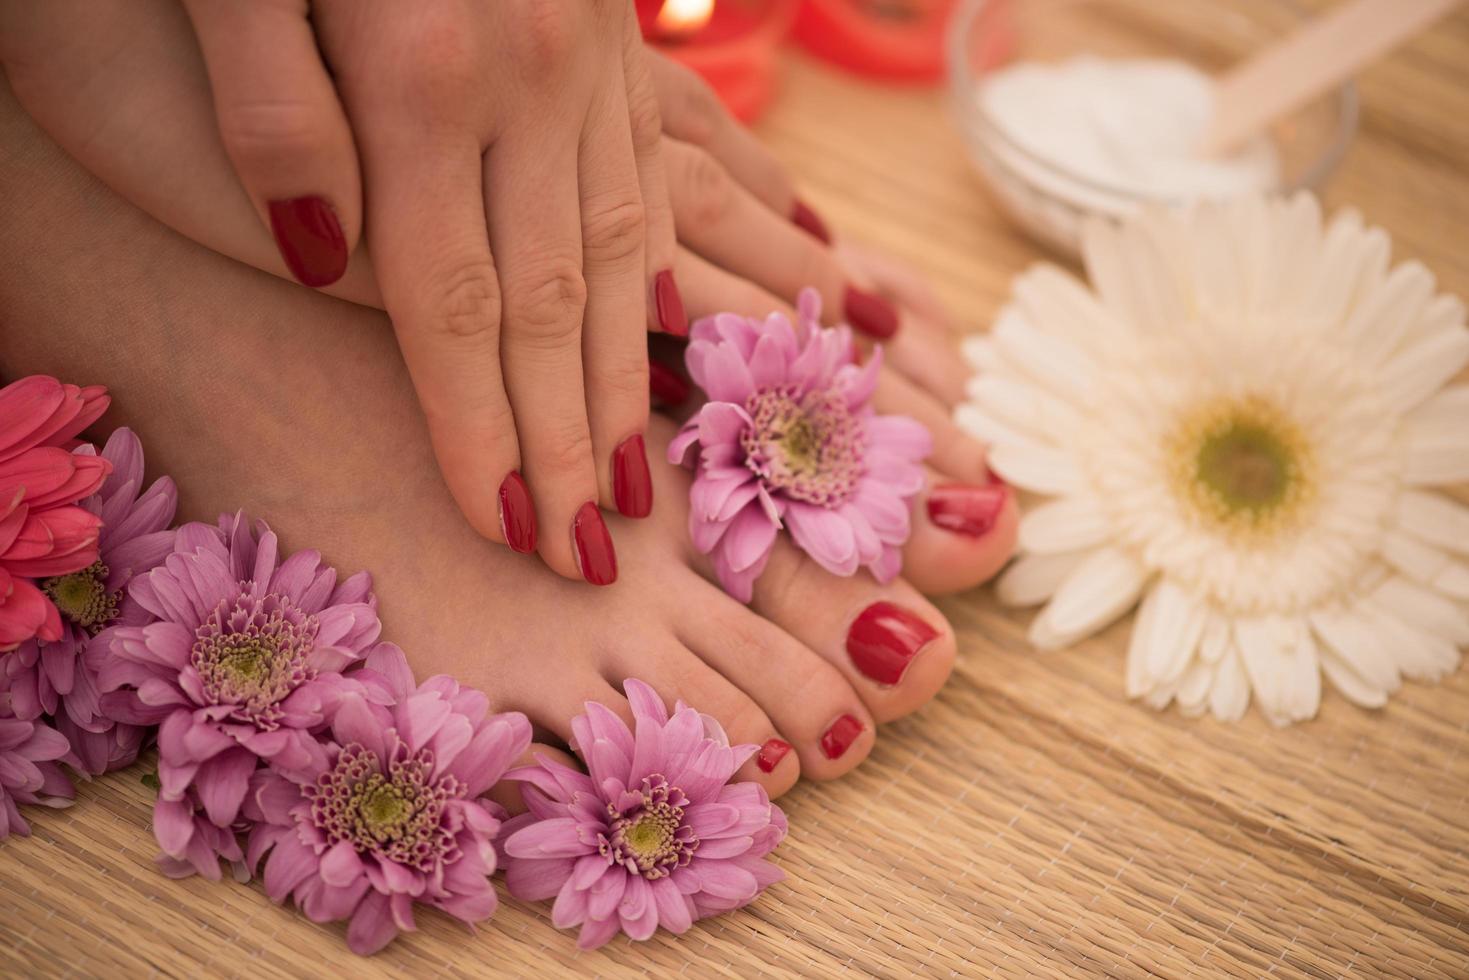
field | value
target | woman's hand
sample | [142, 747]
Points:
[504, 161]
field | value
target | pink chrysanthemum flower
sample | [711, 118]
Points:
[789, 439]
[60, 677]
[42, 532]
[192, 843]
[243, 663]
[392, 813]
[655, 835]
[29, 768]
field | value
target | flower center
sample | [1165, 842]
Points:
[647, 834]
[1243, 467]
[809, 448]
[397, 814]
[82, 597]
[252, 653]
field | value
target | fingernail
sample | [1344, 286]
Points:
[870, 313]
[310, 239]
[665, 385]
[595, 557]
[885, 639]
[632, 484]
[669, 305]
[804, 218]
[837, 739]
[517, 514]
[771, 753]
[966, 509]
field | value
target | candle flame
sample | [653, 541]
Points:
[680, 18]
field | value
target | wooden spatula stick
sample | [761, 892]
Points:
[1319, 56]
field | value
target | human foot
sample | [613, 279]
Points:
[246, 386]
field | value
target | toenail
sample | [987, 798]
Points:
[837, 739]
[771, 753]
[966, 510]
[869, 313]
[884, 640]
[517, 514]
[595, 557]
[632, 484]
[310, 239]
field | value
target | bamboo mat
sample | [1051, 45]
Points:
[1028, 822]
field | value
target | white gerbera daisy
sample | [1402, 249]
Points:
[1238, 424]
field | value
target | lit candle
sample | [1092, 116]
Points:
[732, 44]
[899, 40]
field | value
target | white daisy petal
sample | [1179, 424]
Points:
[1035, 468]
[1420, 369]
[1230, 695]
[1194, 688]
[1097, 591]
[1050, 360]
[1068, 524]
[980, 353]
[1426, 610]
[1352, 639]
[1385, 318]
[1176, 627]
[987, 429]
[1032, 579]
[1434, 519]
[1351, 684]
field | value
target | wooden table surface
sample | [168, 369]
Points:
[1030, 821]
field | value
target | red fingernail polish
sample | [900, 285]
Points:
[804, 218]
[771, 753]
[665, 385]
[669, 305]
[310, 239]
[632, 484]
[870, 313]
[884, 640]
[966, 509]
[517, 514]
[837, 739]
[595, 555]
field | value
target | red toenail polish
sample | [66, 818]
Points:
[837, 739]
[808, 221]
[665, 385]
[310, 239]
[517, 514]
[870, 313]
[632, 484]
[771, 753]
[669, 305]
[884, 640]
[595, 556]
[966, 510]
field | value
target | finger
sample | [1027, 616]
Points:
[665, 308]
[726, 224]
[284, 130]
[693, 113]
[614, 334]
[712, 290]
[439, 284]
[532, 204]
[929, 357]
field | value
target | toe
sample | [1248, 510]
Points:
[507, 792]
[678, 674]
[814, 707]
[963, 534]
[888, 642]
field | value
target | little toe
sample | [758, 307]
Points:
[679, 674]
[507, 791]
[963, 533]
[822, 721]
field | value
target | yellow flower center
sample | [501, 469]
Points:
[1243, 467]
[82, 597]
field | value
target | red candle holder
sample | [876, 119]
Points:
[896, 40]
[734, 49]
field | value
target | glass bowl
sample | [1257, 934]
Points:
[1044, 196]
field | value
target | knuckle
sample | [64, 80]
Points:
[615, 231]
[266, 131]
[708, 190]
[546, 35]
[466, 305]
[695, 108]
[546, 302]
[567, 449]
[645, 119]
[441, 61]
